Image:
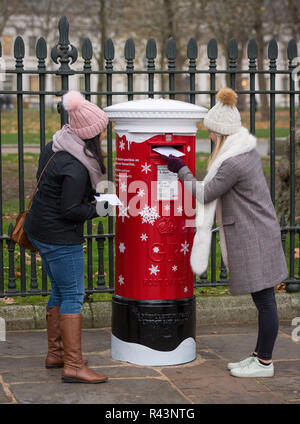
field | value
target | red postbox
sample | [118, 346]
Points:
[153, 309]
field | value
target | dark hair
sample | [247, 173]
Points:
[93, 146]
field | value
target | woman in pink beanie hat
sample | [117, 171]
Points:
[54, 225]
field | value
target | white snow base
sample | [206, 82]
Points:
[143, 355]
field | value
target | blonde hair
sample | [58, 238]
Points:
[220, 141]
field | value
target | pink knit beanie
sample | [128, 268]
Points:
[85, 118]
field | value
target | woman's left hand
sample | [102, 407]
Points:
[174, 163]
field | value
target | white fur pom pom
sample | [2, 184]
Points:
[72, 100]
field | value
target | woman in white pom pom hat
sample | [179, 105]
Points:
[250, 236]
[54, 226]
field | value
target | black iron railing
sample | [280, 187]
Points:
[65, 54]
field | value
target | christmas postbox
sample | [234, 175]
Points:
[153, 308]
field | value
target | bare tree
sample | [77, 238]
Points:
[8, 8]
[293, 8]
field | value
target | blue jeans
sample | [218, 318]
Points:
[64, 265]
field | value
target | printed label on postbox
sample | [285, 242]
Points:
[167, 184]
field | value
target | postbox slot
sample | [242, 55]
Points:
[179, 147]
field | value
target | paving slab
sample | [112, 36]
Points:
[285, 387]
[220, 329]
[43, 374]
[3, 397]
[205, 380]
[118, 391]
[37, 362]
[287, 368]
[35, 342]
[212, 383]
[238, 346]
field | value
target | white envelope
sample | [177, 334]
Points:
[112, 199]
[168, 150]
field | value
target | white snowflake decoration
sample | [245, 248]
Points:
[121, 280]
[154, 269]
[141, 192]
[174, 268]
[122, 145]
[156, 249]
[179, 209]
[144, 237]
[123, 186]
[184, 247]
[122, 247]
[149, 215]
[146, 168]
[167, 208]
[123, 212]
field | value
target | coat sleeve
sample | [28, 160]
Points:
[225, 178]
[73, 191]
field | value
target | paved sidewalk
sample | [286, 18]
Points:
[23, 378]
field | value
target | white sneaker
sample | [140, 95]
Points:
[254, 369]
[246, 361]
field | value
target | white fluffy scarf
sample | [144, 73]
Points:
[236, 144]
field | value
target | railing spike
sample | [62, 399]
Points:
[171, 49]
[252, 49]
[233, 49]
[129, 50]
[109, 49]
[273, 49]
[192, 49]
[151, 51]
[87, 49]
[212, 49]
[41, 49]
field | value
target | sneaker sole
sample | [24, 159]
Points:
[252, 376]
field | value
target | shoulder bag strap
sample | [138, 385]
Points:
[36, 187]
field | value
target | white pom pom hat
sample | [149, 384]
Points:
[224, 117]
[85, 118]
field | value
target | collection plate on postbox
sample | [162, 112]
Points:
[153, 309]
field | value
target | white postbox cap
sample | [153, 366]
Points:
[141, 119]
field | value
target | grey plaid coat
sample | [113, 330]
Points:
[253, 239]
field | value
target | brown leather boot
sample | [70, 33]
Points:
[55, 356]
[75, 371]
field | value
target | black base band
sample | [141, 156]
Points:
[159, 324]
